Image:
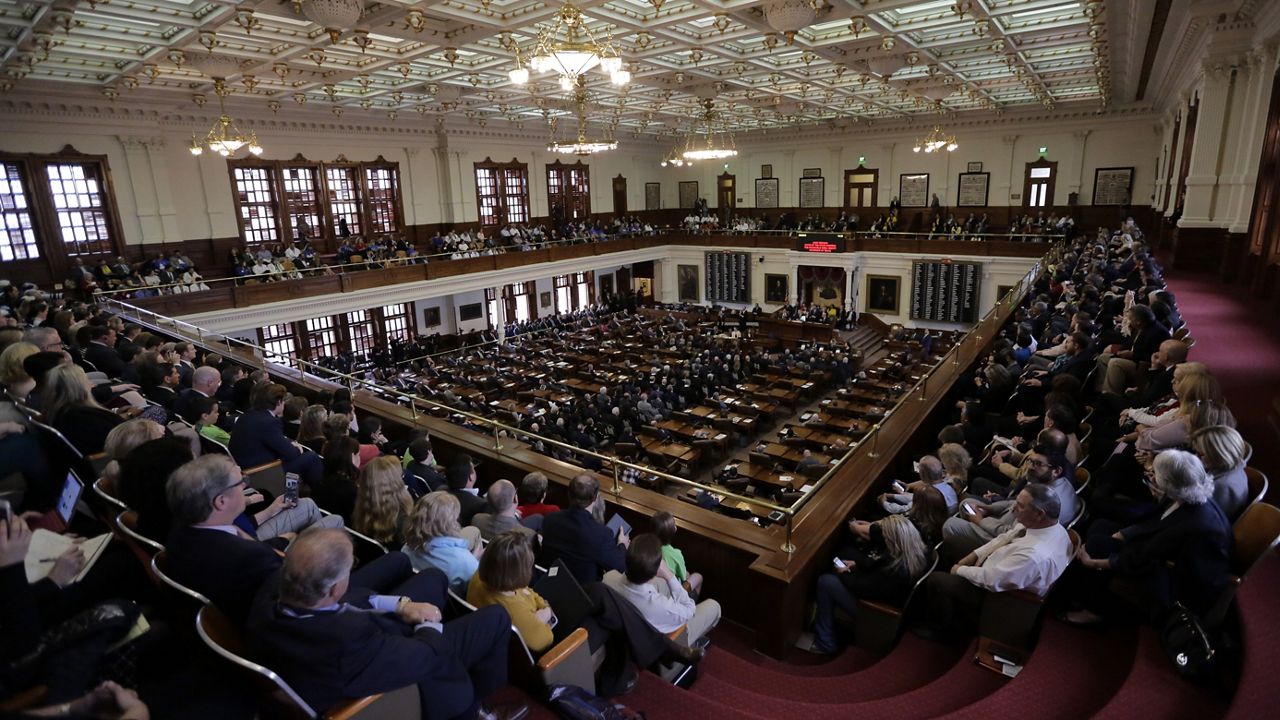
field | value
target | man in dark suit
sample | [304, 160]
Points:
[205, 382]
[101, 351]
[461, 477]
[588, 548]
[331, 644]
[259, 437]
[423, 466]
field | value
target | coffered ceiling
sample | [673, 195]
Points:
[418, 62]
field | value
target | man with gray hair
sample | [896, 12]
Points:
[502, 498]
[205, 382]
[332, 644]
[1029, 556]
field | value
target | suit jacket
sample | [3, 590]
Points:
[1197, 538]
[259, 438]
[105, 359]
[86, 427]
[329, 656]
[587, 548]
[227, 569]
[161, 395]
[471, 504]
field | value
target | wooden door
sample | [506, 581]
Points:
[726, 192]
[1037, 190]
[860, 187]
[619, 196]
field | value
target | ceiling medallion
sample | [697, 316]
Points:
[935, 141]
[225, 138]
[569, 49]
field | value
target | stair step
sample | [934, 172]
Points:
[912, 663]
[660, 700]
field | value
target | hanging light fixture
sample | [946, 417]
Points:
[714, 144]
[673, 159]
[225, 138]
[335, 16]
[580, 146]
[935, 141]
[570, 50]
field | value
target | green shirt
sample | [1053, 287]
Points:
[213, 432]
[674, 559]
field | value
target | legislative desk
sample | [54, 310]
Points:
[758, 583]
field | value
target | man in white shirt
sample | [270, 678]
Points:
[968, 530]
[666, 609]
[1029, 556]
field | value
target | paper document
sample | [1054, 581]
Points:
[47, 547]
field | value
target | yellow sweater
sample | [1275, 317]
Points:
[522, 605]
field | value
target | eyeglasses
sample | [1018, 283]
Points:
[1039, 463]
[240, 483]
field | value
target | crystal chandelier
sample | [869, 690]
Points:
[225, 138]
[334, 16]
[570, 50]
[936, 140]
[673, 159]
[790, 16]
[580, 146]
[714, 144]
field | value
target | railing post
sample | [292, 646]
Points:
[617, 480]
[875, 441]
[413, 407]
[788, 546]
[924, 386]
[497, 441]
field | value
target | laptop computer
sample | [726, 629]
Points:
[566, 597]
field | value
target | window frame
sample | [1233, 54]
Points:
[52, 256]
[291, 338]
[569, 187]
[274, 188]
[503, 207]
[386, 320]
[29, 241]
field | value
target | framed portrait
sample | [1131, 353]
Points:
[913, 189]
[1112, 186]
[882, 293]
[974, 167]
[544, 300]
[606, 285]
[775, 288]
[973, 189]
[766, 171]
[470, 311]
[653, 196]
[431, 316]
[688, 193]
[767, 192]
[687, 282]
[644, 287]
[812, 191]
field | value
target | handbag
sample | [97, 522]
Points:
[1187, 643]
[574, 703]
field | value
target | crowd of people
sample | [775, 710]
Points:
[1151, 483]
[163, 274]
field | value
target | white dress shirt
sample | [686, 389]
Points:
[1021, 559]
[665, 614]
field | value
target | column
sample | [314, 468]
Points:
[1005, 190]
[143, 189]
[888, 181]
[1162, 166]
[165, 209]
[415, 210]
[1202, 175]
[1170, 190]
[1240, 169]
[501, 321]
[833, 186]
[444, 179]
[1082, 140]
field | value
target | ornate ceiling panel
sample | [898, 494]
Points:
[848, 61]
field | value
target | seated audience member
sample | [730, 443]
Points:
[956, 462]
[663, 525]
[533, 496]
[434, 539]
[931, 475]
[17, 383]
[423, 467]
[259, 438]
[101, 351]
[122, 439]
[68, 405]
[462, 485]
[1029, 556]
[967, 530]
[202, 413]
[665, 611]
[503, 579]
[311, 427]
[574, 535]
[883, 577]
[336, 491]
[385, 642]
[502, 498]
[1222, 451]
[1118, 367]
[928, 513]
[1180, 555]
[383, 505]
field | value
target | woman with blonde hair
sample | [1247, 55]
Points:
[434, 539]
[887, 578]
[68, 406]
[123, 438]
[15, 379]
[956, 463]
[1199, 405]
[1222, 450]
[383, 504]
[311, 427]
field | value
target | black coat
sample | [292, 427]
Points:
[227, 569]
[1196, 538]
[587, 548]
